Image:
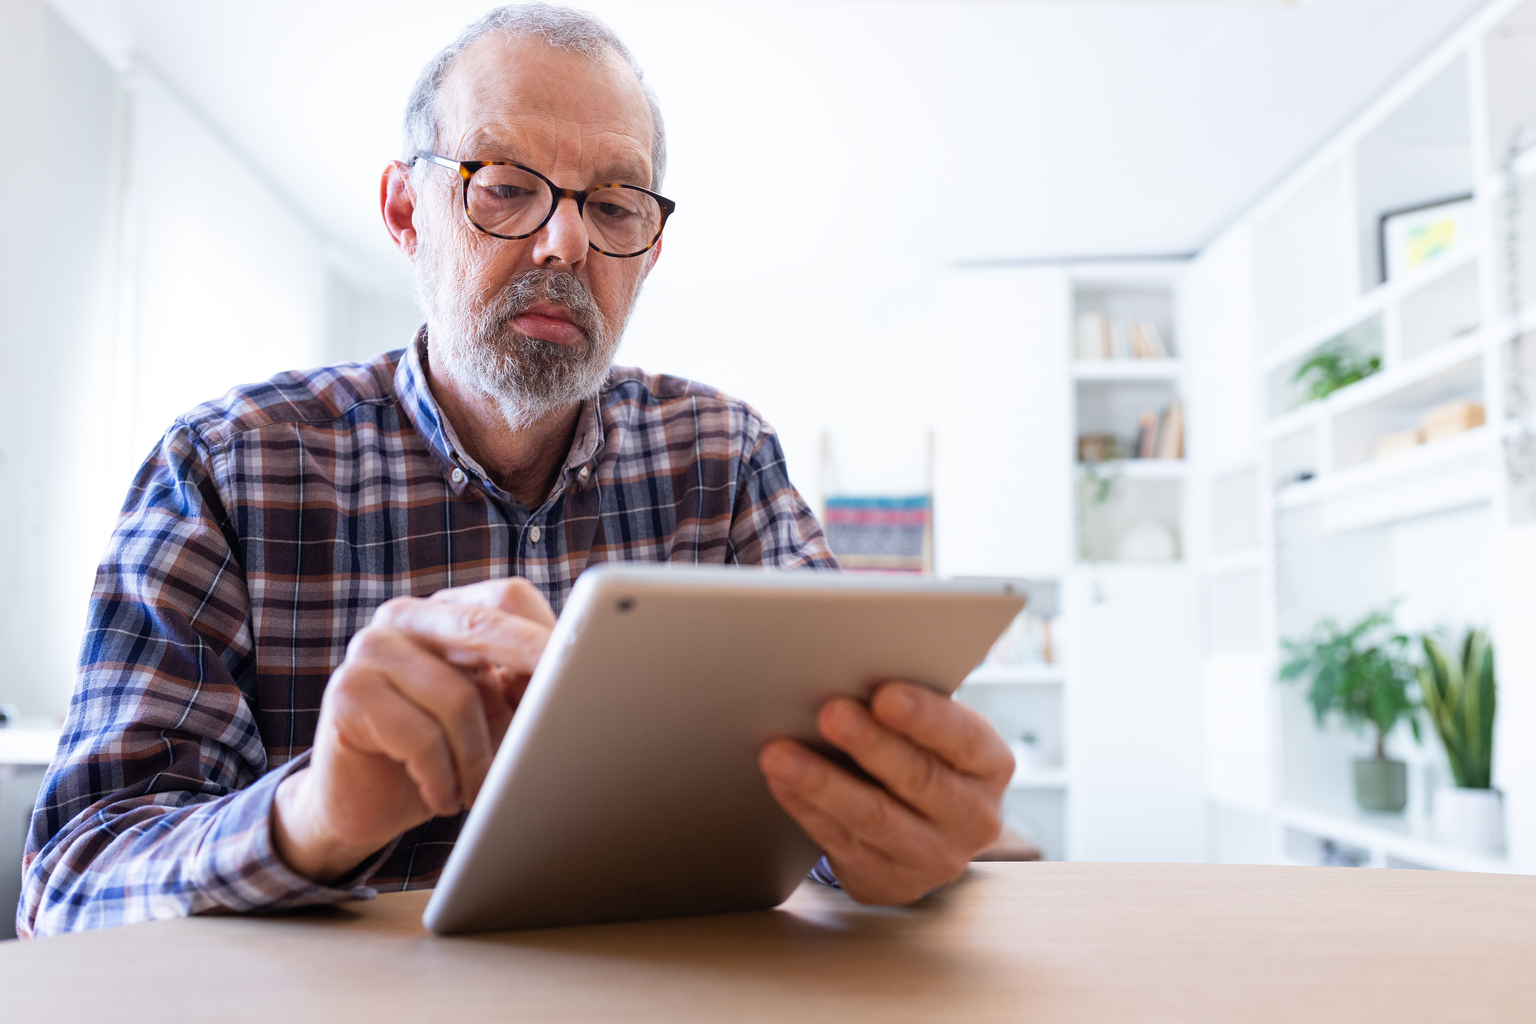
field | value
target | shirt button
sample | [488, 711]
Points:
[457, 476]
[534, 534]
[586, 471]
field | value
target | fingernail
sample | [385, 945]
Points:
[898, 702]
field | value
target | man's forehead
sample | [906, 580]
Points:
[530, 100]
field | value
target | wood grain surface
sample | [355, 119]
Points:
[1011, 942]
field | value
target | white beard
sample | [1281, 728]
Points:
[528, 378]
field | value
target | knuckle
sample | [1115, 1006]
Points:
[875, 816]
[925, 775]
[393, 610]
[473, 621]
[989, 825]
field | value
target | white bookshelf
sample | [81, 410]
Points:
[1029, 697]
[1329, 527]
[1123, 687]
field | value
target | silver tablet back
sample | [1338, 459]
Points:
[628, 787]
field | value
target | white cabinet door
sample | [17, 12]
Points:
[1134, 715]
[1003, 437]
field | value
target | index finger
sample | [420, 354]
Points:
[468, 634]
[514, 595]
[945, 728]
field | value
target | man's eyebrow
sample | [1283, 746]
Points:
[483, 145]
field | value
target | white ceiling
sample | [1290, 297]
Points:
[900, 134]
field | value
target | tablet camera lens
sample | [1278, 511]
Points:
[625, 604]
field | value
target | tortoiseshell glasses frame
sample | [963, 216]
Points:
[654, 206]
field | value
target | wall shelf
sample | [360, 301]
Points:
[1126, 369]
[1438, 531]
[1016, 675]
[1369, 304]
[1382, 384]
[1038, 778]
[1390, 843]
[1416, 464]
[1138, 469]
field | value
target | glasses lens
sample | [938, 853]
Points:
[508, 201]
[622, 221]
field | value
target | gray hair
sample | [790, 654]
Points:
[564, 27]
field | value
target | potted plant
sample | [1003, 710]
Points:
[1332, 368]
[1362, 675]
[1461, 697]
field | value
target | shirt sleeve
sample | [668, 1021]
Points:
[158, 802]
[771, 524]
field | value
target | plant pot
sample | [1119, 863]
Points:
[1469, 819]
[1381, 784]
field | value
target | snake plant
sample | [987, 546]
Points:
[1461, 697]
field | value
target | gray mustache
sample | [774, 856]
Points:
[550, 286]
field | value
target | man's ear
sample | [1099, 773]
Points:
[397, 201]
[651, 258]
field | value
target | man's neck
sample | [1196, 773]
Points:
[524, 461]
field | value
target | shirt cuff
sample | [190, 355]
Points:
[244, 871]
[822, 873]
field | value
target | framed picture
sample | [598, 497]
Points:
[1415, 236]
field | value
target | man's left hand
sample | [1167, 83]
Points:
[944, 769]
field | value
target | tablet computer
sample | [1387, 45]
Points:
[627, 786]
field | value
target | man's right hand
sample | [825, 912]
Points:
[410, 721]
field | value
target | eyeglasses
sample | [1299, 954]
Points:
[508, 200]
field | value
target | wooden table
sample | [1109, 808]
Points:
[1012, 942]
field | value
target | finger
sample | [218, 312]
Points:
[920, 779]
[515, 596]
[389, 724]
[863, 872]
[957, 734]
[467, 634]
[870, 816]
[446, 695]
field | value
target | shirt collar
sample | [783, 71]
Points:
[422, 410]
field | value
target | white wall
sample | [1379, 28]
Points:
[149, 268]
[228, 284]
[59, 105]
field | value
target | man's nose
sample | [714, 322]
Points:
[564, 237]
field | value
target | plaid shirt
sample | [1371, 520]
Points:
[262, 533]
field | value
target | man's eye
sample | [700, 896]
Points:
[508, 192]
[611, 211]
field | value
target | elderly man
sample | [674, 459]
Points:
[326, 592]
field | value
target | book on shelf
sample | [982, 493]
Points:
[1170, 432]
[1104, 337]
[1161, 435]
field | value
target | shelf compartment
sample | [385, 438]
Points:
[1126, 301]
[1132, 503]
[1366, 337]
[1359, 425]
[1370, 304]
[1386, 840]
[1419, 153]
[1442, 311]
[1451, 473]
[1296, 456]
[1115, 407]
[1304, 256]
[1381, 385]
